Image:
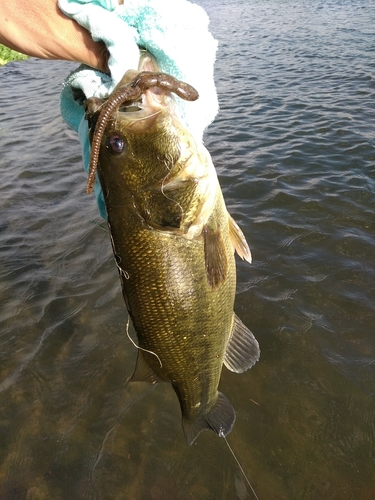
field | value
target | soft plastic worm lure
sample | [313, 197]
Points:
[129, 93]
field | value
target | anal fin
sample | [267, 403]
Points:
[242, 350]
[238, 240]
[143, 371]
[215, 256]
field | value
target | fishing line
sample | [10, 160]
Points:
[221, 434]
[138, 347]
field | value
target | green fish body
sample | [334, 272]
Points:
[173, 242]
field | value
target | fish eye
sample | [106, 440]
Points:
[115, 144]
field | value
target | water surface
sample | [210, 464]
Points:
[294, 146]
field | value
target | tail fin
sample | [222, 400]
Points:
[220, 419]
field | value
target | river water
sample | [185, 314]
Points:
[294, 146]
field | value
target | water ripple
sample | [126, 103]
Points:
[294, 146]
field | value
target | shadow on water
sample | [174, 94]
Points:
[294, 145]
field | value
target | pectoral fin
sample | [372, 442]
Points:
[215, 257]
[238, 240]
[242, 350]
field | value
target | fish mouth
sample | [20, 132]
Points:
[153, 100]
[138, 97]
[151, 103]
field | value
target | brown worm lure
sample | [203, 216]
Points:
[129, 93]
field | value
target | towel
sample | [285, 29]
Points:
[175, 32]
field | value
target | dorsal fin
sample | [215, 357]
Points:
[238, 240]
[215, 256]
[242, 350]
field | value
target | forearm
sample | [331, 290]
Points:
[38, 28]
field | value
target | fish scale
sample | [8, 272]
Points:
[174, 243]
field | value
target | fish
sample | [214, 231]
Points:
[173, 242]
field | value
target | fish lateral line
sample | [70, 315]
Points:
[222, 435]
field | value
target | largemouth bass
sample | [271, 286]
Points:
[173, 242]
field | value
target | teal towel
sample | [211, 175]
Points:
[175, 32]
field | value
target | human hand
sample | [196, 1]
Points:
[38, 28]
